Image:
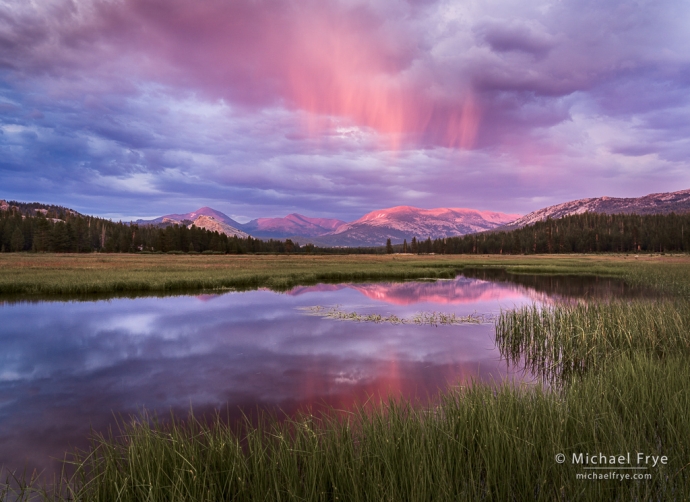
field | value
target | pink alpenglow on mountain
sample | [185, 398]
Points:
[447, 221]
[292, 224]
[202, 211]
[405, 222]
[213, 225]
[373, 229]
[655, 203]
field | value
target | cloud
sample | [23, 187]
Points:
[516, 36]
[340, 106]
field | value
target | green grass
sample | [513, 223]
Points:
[27, 275]
[36, 275]
[615, 380]
[561, 341]
[477, 443]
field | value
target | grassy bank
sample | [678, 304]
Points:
[46, 275]
[479, 443]
[615, 382]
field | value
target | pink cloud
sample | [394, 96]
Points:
[348, 63]
[267, 107]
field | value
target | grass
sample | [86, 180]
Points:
[564, 340]
[615, 380]
[478, 443]
[432, 318]
[36, 275]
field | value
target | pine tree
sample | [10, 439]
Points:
[17, 240]
[389, 247]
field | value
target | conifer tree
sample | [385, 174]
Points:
[17, 240]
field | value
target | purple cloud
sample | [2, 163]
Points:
[135, 107]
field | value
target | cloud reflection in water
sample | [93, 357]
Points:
[68, 366]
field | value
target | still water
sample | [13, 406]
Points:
[66, 367]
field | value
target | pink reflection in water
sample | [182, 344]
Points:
[443, 292]
[69, 366]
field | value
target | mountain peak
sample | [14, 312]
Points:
[212, 224]
[202, 211]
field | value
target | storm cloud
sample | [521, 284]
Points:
[130, 108]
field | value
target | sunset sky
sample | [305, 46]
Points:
[334, 108]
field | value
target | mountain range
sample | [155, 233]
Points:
[655, 203]
[404, 222]
[372, 229]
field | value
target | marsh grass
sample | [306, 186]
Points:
[561, 341]
[49, 276]
[615, 380]
[479, 442]
[20, 486]
[420, 318]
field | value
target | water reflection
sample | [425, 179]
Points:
[66, 367]
[457, 291]
[558, 287]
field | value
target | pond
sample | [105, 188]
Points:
[67, 367]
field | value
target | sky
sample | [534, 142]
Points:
[334, 108]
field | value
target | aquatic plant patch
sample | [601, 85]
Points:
[420, 318]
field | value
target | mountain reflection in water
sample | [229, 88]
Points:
[69, 366]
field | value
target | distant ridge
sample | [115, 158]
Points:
[656, 203]
[34, 208]
[373, 229]
[404, 222]
[291, 225]
[394, 223]
[278, 228]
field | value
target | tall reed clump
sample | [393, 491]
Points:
[476, 443]
[560, 341]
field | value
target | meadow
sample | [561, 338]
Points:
[613, 382]
[46, 275]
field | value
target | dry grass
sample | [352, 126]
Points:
[420, 318]
[42, 275]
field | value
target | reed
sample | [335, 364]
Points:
[561, 341]
[614, 380]
[479, 442]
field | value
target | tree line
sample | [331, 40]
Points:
[582, 233]
[60, 230]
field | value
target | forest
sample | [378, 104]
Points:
[582, 233]
[61, 230]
